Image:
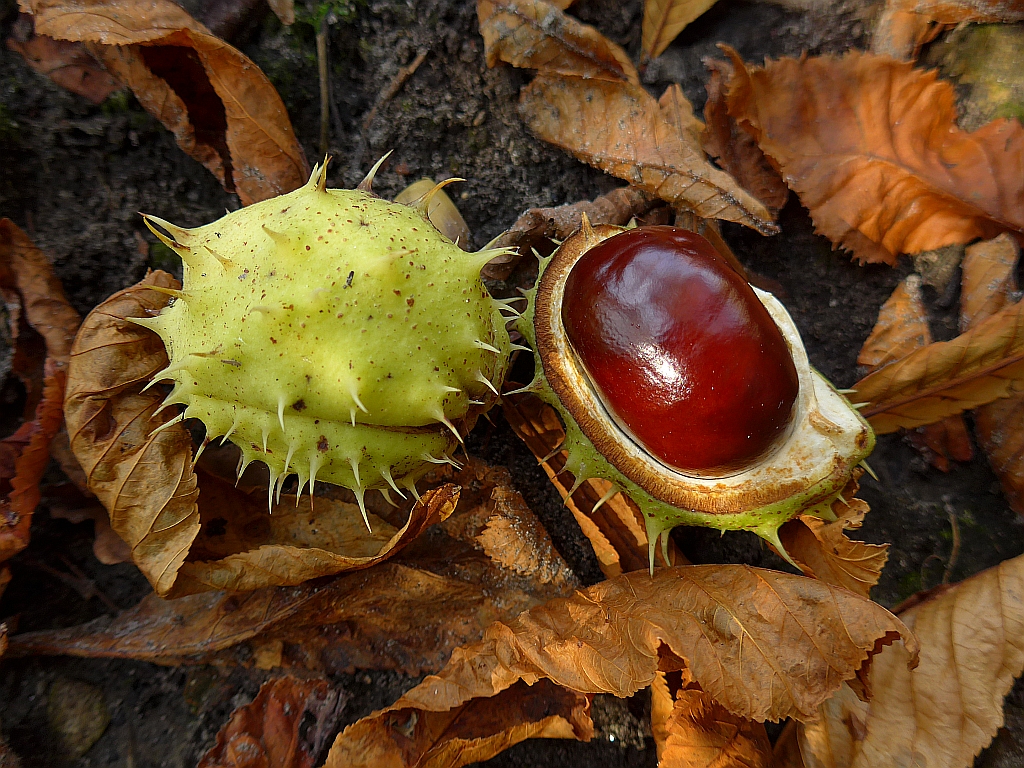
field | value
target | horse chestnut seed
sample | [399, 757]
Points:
[682, 352]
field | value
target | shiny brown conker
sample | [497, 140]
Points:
[680, 349]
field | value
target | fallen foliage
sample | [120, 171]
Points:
[69, 65]
[644, 145]
[182, 539]
[664, 20]
[764, 644]
[905, 25]
[872, 148]
[734, 148]
[286, 726]
[487, 562]
[536, 34]
[221, 108]
[988, 283]
[944, 712]
[35, 304]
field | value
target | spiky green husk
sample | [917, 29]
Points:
[826, 428]
[333, 335]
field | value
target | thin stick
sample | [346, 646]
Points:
[955, 552]
[394, 87]
[325, 109]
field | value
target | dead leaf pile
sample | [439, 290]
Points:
[221, 108]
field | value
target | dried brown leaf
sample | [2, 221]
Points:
[68, 64]
[944, 712]
[442, 212]
[536, 34]
[664, 20]
[905, 25]
[185, 541]
[615, 529]
[286, 726]
[221, 108]
[787, 748]
[447, 588]
[640, 145]
[946, 377]
[691, 730]
[763, 644]
[989, 284]
[734, 148]
[823, 551]
[872, 148]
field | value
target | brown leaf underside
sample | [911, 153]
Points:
[664, 20]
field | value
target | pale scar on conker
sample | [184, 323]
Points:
[332, 335]
[686, 388]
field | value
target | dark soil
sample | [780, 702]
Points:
[74, 176]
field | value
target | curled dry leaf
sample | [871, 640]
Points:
[989, 284]
[947, 709]
[68, 64]
[946, 377]
[691, 730]
[764, 644]
[221, 108]
[183, 540]
[287, 725]
[872, 148]
[28, 283]
[644, 145]
[734, 148]
[441, 211]
[489, 561]
[901, 328]
[905, 25]
[536, 34]
[614, 527]
[664, 20]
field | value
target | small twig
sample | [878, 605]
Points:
[325, 110]
[955, 552]
[394, 87]
[77, 580]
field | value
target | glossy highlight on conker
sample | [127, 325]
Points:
[683, 354]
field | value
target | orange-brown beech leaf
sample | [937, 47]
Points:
[901, 328]
[287, 725]
[642, 145]
[988, 282]
[489, 561]
[536, 34]
[905, 25]
[946, 377]
[734, 148]
[664, 20]
[221, 108]
[763, 644]
[69, 65]
[27, 282]
[692, 730]
[184, 538]
[944, 712]
[872, 148]
[615, 528]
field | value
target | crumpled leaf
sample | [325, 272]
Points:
[643, 145]
[30, 288]
[69, 65]
[764, 644]
[287, 725]
[221, 108]
[989, 284]
[489, 561]
[184, 540]
[905, 25]
[614, 528]
[734, 148]
[536, 34]
[691, 730]
[901, 328]
[946, 377]
[872, 148]
[441, 211]
[944, 712]
[664, 20]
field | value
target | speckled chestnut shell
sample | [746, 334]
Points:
[810, 466]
